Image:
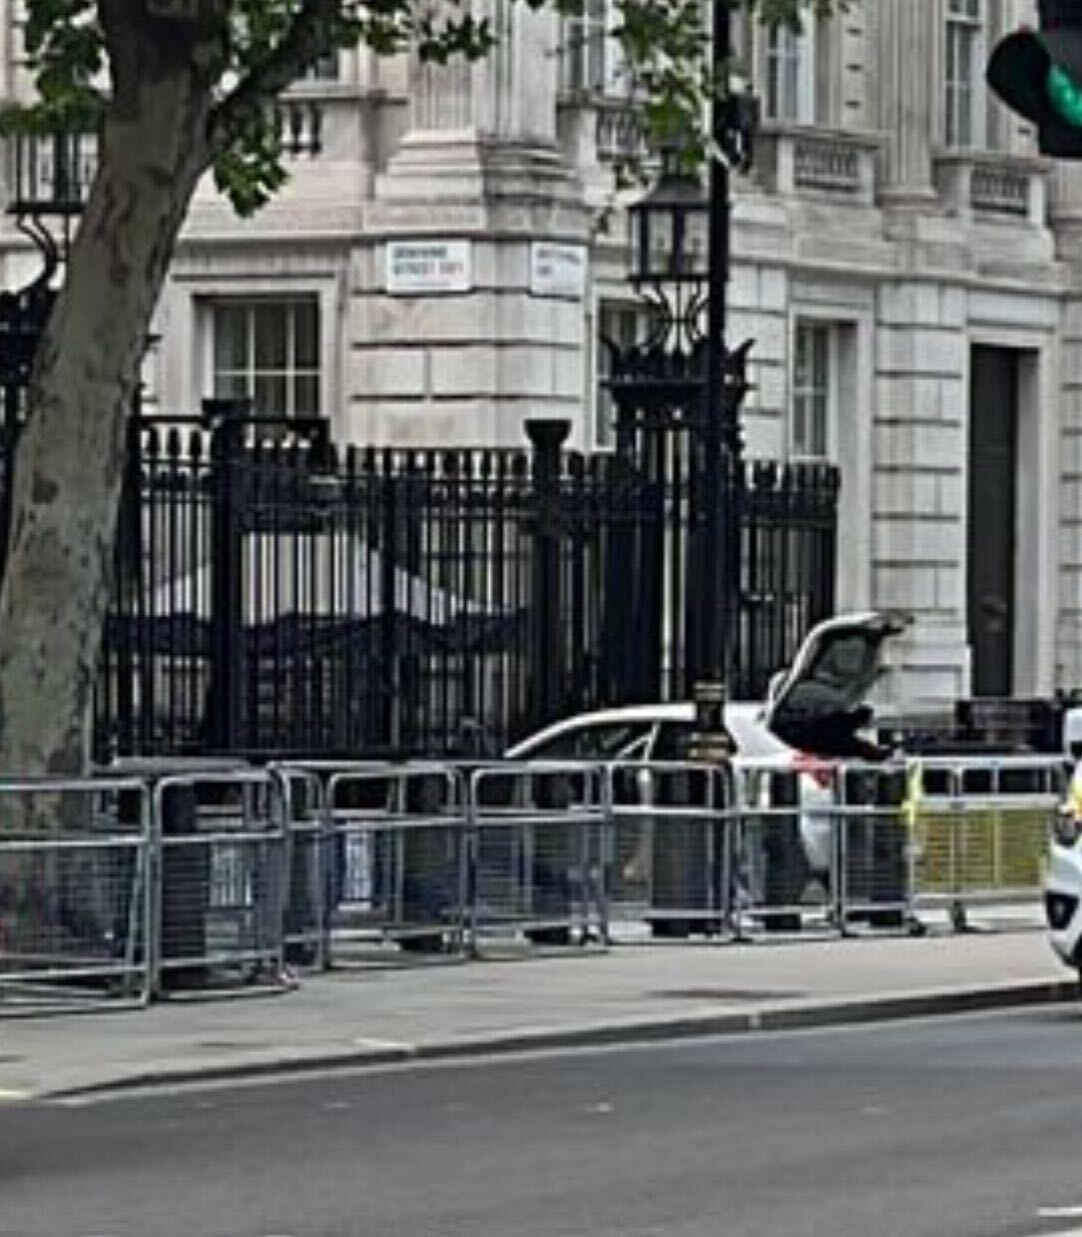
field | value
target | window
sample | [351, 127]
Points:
[790, 73]
[964, 59]
[268, 351]
[323, 69]
[589, 56]
[621, 324]
[814, 378]
[595, 741]
[673, 741]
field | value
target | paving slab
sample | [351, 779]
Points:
[374, 1015]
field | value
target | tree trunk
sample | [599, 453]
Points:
[70, 459]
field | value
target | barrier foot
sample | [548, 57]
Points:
[958, 917]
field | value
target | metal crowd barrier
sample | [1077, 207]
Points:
[667, 850]
[395, 861]
[554, 855]
[785, 853]
[124, 886]
[980, 829]
[874, 884]
[305, 881]
[536, 855]
[219, 889]
[75, 892]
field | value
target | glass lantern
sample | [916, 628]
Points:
[669, 231]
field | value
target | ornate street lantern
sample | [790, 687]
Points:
[51, 172]
[48, 177]
[657, 381]
[669, 231]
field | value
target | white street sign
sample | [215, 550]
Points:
[557, 269]
[429, 266]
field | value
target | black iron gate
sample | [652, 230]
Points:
[276, 594]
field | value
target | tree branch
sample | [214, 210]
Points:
[121, 49]
[306, 38]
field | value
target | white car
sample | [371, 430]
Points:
[1063, 879]
[817, 708]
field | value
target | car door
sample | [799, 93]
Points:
[819, 705]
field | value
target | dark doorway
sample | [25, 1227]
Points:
[993, 438]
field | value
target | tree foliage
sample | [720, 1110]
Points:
[262, 45]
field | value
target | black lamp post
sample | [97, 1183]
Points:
[684, 377]
[734, 121]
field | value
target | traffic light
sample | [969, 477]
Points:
[1038, 74]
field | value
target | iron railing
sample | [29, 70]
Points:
[276, 595]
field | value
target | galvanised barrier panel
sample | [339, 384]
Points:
[310, 856]
[306, 894]
[872, 880]
[668, 848]
[537, 854]
[980, 827]
[220, 836]
[123, 887]
[75, 893]
[394, 862]
[785, 850]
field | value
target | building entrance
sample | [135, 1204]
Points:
[991, 533]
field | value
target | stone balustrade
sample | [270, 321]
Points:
[802, 161]
[993, 185]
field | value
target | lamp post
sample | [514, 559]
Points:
[711, 666]
[734, 119]
[684, 377]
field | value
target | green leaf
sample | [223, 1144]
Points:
[666, 45]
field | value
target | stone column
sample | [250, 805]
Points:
[908, 95]
[1065, 189]
[441, 96]
[509, 94]
[478, 172]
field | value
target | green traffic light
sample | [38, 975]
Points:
[1065, 95]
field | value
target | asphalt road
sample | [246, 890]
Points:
[963, 1127]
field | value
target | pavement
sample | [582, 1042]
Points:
[377, 1014]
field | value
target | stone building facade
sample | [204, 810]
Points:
[442, 268]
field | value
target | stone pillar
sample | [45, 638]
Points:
[1065, 189]
[909, 90]
[441, 96]
[852, 76]
[1066, 214]
[479, 171]
[918, 484]
[509, 94]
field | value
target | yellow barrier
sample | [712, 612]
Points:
[985, 850]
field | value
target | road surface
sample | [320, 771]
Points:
[959, 1127]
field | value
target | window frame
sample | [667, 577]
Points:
[250, 371]
[965, 24]
[325, 69]
[826, 339]
[584, 38]
[799, 54]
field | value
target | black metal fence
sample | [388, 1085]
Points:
[277, 594]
